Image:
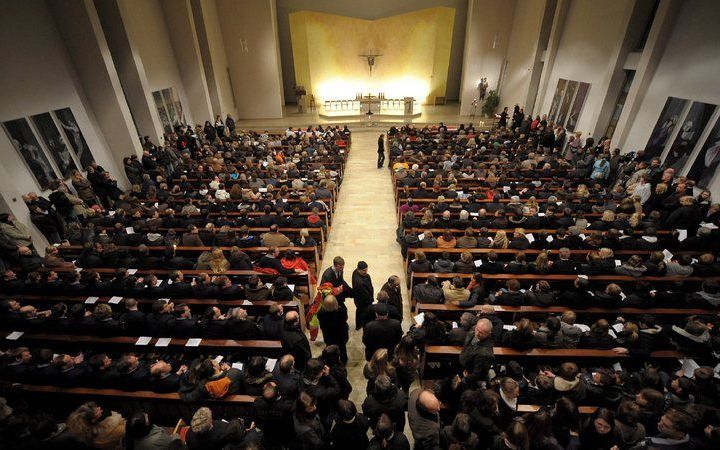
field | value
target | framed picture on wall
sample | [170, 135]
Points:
[577, 106]
[559, 91]
[27, 146]
[669, 117]
[75, 136]
[55, 144]
[693, 125]
[566, 102]
[706, 162]
[169, 108]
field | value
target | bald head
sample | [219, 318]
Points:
[487, 309]
[429, 402]
[483, 329]
[291, 317]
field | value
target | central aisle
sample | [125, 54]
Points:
[364, 230]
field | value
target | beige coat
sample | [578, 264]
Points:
[453, 294]
[275, 240]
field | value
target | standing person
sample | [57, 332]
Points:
[230, 125]
[294, 340]
[363, 292]
[424, 419]
[334, 276]
[381, 151]
[392, 289]
[333, 323]
[382, 332]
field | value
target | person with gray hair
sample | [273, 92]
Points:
[477, 356]
[205, 432]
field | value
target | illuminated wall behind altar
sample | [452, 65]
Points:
[415, 49]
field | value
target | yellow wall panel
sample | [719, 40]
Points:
[415, 49]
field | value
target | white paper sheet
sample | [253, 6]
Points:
[238, 366]
[420, 318]
[114, 300]
[270, 364]
[584, 328]
[143, 340]
[14, 336]
[194, 342]
[668, 255]
[132, 271]
[530, 237]
[163, 342]
[688, 367]
[130, 230]
[478, 263]
[91, 300]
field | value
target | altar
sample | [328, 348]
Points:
[374, 106]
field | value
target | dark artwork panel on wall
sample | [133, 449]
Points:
[706, 163]
[555, 105]
[55, 143]
[693, 125]
[566, 102]
[27, 146]
[664, 126]
[75, 136]
[580, 96]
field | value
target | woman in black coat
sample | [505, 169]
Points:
[333, 323]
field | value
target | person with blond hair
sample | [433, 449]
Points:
[333, 323]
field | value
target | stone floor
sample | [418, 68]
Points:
[364, 230]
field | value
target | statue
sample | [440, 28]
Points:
[482, 88]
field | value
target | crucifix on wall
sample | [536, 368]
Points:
[370, 60]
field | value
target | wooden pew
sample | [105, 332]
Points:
[127, 343]
[309, 254]
[163, 409]
[451, 353]
[299, 280]
[454, 312]
[254, 308]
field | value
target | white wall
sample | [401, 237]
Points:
[370, 10]
[487, 36]
[591, 34]
[527, 20]
[145, 24]
[254, 67]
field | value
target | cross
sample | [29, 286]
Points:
[370, 60]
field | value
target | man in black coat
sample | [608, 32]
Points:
[334, 276]
[382, 332]
[274, 411]
[177, 287]
[392, 289]
[184, 325]
[272, 322]
[363, 292]
[133, 321]
[287, 377]
[386, 398]
[294, 340]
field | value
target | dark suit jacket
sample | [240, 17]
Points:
[329, 276]
[381, 334]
